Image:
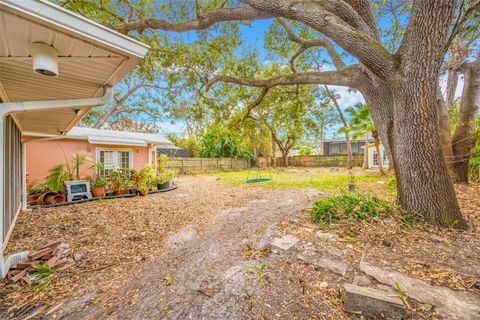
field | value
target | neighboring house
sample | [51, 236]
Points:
[338, 146]
[373, 159]
[54, 66]
[114, 149]
[172, 151]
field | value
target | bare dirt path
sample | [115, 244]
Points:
[208, 272]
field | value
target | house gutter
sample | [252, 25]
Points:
[16, 107]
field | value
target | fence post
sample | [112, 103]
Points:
[183, 166]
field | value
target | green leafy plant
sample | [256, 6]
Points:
[168, 280]
[392, 181]
[259, 271]
[70, 170]
[409, 219]
[162, 162]
[166, 176]
[42, 270]
[305, 151]
[349, 205]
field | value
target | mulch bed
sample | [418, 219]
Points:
[118, 238]
[115, 237]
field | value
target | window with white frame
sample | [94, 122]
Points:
[375, 157]
[113, 159]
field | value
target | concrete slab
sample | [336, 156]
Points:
[285, 242]
[453, 304]
[326, 235]
[333, 264]
[373, 303]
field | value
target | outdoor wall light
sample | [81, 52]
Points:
[45, 59]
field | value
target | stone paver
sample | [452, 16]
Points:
[285, 242]
[373, 303]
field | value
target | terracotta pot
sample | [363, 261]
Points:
[142, 192]
[59, 198]
[43, 199]
[120, 192]
[98, 192]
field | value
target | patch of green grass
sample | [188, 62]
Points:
[320, 181]
[350, 206]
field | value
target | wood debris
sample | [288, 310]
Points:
[54, 255]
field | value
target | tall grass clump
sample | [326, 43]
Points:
[350, 206]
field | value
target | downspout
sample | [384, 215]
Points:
[16, 107]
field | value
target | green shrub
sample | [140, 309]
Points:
[350, 206]
[305, 151]
[392, 181]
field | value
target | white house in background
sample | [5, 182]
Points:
[54, 66]
[373, 159]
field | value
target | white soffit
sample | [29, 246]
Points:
[90, 56]
[116, 141]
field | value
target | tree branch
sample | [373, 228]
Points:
[309, 43]
[204, 20]
[347, 77]
[354, 40]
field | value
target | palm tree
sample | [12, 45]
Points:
[361, 123]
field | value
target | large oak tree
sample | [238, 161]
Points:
[400, 87]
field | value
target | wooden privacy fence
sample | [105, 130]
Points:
[195, 165]
[314, 161]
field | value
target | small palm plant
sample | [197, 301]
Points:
[70, 170]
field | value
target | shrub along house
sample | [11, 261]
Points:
[54, 66]
[114, 149]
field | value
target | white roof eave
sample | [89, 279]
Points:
[71, 23]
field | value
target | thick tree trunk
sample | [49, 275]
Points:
[424, 185]
[380, 104]
[462, 139]
[284, 156]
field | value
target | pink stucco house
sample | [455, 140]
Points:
[114, 149]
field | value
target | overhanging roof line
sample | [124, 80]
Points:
[15, 107]
[62, 19]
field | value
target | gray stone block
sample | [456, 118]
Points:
[373, 303]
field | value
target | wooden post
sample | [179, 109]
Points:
[183, 166]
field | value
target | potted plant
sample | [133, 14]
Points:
[99, 182]
[98, 185]
[117, 184]
[127, 186]
[145, 179]
[165, 179]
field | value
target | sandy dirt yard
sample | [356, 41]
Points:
[196, 253]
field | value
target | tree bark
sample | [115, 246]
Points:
[462, 141]
[424, 185]
[284, 156]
